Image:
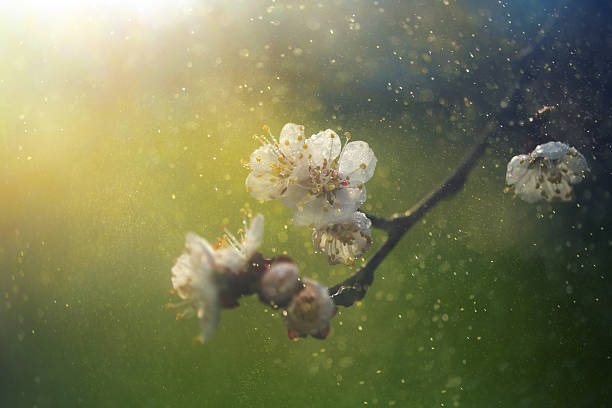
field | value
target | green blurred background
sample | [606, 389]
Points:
[122, 126]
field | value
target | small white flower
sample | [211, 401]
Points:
[343, 243]
[320, 179]
[194, 281]
[194, 275]
[277, 164]
[336, 183]
[548, 173]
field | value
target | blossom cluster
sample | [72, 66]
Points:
[322, 181]
[547, 173]
[211, 277]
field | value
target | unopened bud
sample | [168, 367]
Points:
[310, 311]
[279, 283]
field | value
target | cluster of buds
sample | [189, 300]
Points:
[308, 306]
[210, 278]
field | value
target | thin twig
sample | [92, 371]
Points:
[355, 287]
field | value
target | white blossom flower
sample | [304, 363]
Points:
[343, 243]
[320, 179]
[195, 273]
[278, 164]
[547, 173]
[337, 176]
[194, 281]
[310, 311]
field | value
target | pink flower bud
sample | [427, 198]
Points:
[280, 282]
[310, 311]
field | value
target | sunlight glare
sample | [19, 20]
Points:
[66, 9]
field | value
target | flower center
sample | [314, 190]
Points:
[325, 180]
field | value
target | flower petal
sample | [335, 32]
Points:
[357, 161]
[576, 166]
[551, 150]
[291, 138]
[229, 259]
[209, 314]
[319, 211]
[311, 211]
[324, 145]
[296, 186]
[182, 275]
[202, 253]
[517, 167]
[361, 221]
[253, 236]
[261, 159]
[527, 187]
[264, 186]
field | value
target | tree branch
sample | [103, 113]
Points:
[355, 287]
